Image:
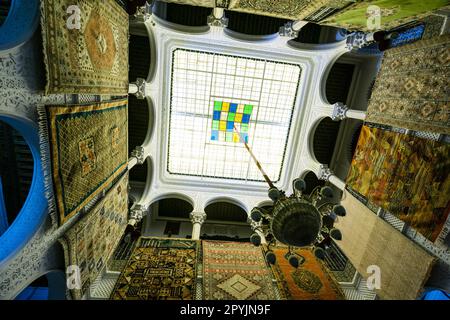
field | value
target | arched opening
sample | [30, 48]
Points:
[312, 182]
[141, 176]
[313, 33]
[225, 211]
[247, 26]
[324, 140]
[139, 57]
[16, 174]
[179, 15]
[138, 121]
[339, 81]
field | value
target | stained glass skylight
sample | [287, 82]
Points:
[220, 101]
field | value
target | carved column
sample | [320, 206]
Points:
[327, 174]
[341, 112]
[138, 88]
[197, 219]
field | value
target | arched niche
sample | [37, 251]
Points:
[324, 140]
[313, 33]
[338, 81]
[172, 206]
[141, 179]
[140, 55]
[18, 23]
[227, 210]
[140, 121]
[33, 212]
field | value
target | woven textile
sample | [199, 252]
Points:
[311, 281]
[362, 15]
[159, 269]
[411, 89]
[405, 175]
[89, 54]
[235, 271]
[87, 149]
[369, 240]
[91, 241]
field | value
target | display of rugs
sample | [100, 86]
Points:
[411, 89]
[310, 281]
[288, 9]
[90, 243]
[405, 175]
[235, 271]
[230, 122]
[368, 240]
[159, 269]
[363, 15]
[85, 147]
[85, 46]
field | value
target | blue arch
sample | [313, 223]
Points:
[20, 24]
[34, 211]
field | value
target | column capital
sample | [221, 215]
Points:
[324, 172]
[217, 18]
[255, 225]
[139, 154]
[141, 85]
[359, 39]
[197, 217]
[143, 13]
[138, 212]
[339, 111]
[287, 30]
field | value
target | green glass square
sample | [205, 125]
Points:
[231, 116]
[215, 125]
[229, 137]
[217, 105]
[244, 127]
[248, 108]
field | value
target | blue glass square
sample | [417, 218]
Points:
[215, 135]
[244, 137]
[230, 125]
[245, 118]
[233, 107]
[216, 115]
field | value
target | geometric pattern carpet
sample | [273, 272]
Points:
[85, 46]
[310, 281]
[159, 269]
[411, 89]
[405, 175]
[235, 271]
[92, 240]
[85, 148]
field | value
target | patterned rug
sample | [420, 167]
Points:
[411, 89]
[311, 281]
[86, 148]
[405, 175]
[159, 269]
[89, 54]
[91, 241]
[235, 271]
[368, 240]
[393, 13]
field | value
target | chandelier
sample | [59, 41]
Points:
[299, 220]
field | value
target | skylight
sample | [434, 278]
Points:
[220, 101]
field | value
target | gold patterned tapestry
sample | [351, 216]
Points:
[368, 241]
[411, 89]
[86, 147]
[235, 271]
[393, 13]
[287, 9]
[85, 46]
[91, 241]
[405, 175]
[310, 281]
[159, 269]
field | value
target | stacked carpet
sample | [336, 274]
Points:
[310, 281]
[85, 148]
[90, 243]
[235, 271]
[370, 241]
[85, 46]
[411, 89]
[159, 269]
[405, 175]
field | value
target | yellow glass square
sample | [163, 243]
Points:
[238, 118]
[240, 108]
[225, 106]
[235, 137]
[223, 126]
